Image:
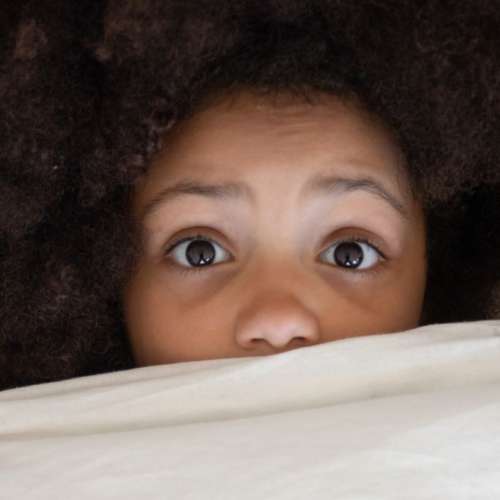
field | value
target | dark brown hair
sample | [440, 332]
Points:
[88, 89]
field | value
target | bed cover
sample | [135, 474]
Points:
[407, 415]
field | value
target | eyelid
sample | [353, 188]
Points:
[354, 233]
[183, 239]
[358, 239]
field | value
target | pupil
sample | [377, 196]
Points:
[348, 254]
[200, 253]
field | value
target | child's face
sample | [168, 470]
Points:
[273, 278]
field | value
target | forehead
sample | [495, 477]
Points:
[242, 135]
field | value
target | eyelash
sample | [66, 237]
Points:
[347, 239]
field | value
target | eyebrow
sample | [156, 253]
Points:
[320, 184]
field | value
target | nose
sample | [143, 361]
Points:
[277, 324]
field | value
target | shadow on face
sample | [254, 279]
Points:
[272, 224]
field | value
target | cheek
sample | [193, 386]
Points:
[163, 326]
[400, 304]
[389, 310]
[147, 315]
[393, 302]
[401, 308]
[400, 300]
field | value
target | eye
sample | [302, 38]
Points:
[195, 252]
[355, 254]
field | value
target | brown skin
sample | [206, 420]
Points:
[274, 283]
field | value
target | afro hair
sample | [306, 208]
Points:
[88, 89]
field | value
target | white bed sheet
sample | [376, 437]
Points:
[410, 415]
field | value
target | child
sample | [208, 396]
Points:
[106, 106]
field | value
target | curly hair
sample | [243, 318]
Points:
[88, 89]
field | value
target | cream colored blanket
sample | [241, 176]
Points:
[410, 415]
